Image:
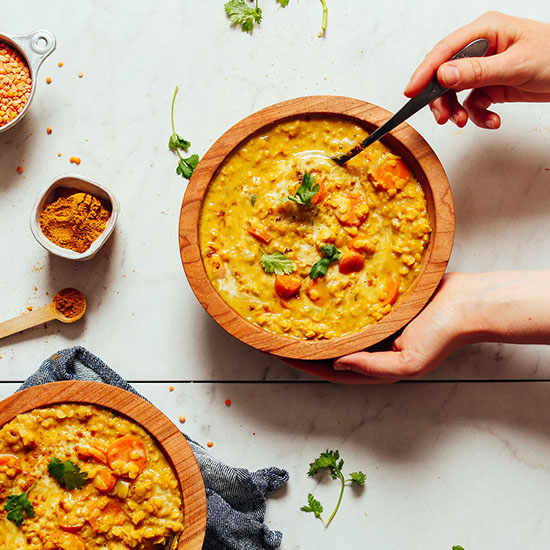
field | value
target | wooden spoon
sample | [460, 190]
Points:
[57, 309]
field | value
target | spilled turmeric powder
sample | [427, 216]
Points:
[74, 221]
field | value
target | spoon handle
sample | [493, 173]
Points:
[477, 48]
[27, 320]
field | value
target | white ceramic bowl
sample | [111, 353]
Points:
[78, 184]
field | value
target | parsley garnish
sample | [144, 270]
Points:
[17, 505]
[331, 461]
[306, 191]
[240, 13]
[458, 547]
[185, 166]
[67, 473]
[330, 254]
[277, 263]
[253, 199]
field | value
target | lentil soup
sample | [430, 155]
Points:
[129, 499]
[303, 247]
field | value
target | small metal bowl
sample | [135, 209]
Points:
[34, 48]
[77, 184]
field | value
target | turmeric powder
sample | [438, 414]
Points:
[70, 302]
[74, 221]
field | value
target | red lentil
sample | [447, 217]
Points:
[209, 444]
[171, 388]
[60, 64]
[20, 169]
[74, 160]
[80, 74]
[48, 80]
[49, 130]
[228, 402]
[58, 154]
[182, 418]
[15, 84]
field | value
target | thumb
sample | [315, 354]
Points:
[462, 74]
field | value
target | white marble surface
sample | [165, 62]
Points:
[447, 463]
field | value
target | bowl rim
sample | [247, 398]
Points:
[404, 140]
[169, 438]
[83, 184]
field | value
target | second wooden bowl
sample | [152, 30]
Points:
[404, 141]
[139, 411]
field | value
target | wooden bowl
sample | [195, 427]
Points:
[136, 409]
[404, 141]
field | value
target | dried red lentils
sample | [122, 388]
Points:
[48, 80]
[171, 388]
[209, 443]
[182, 418]
[80, 74]
[49, 130]
[60, 64]
[20, 169]
[16, 84]
[228, 402]
[74, 160]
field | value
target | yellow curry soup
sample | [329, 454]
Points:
[130, 498]
[372, 211]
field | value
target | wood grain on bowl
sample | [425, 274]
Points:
[166, 434]
[405, 142]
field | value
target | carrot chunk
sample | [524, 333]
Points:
[104, 480]
[67, 541]
[103, 519]
[127, 456]
[350, 262]
[392, 290]
[10, 462]
[91, 453]
[320, 195]
[287, 286]
[259, 234]
[389, 175]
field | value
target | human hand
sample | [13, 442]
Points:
[516, 68]
[505, 306]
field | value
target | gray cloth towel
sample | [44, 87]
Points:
[235, 497]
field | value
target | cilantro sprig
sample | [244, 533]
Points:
[186, 166]
[331, 461]
[245, 15]
[306, 190]
[67, 473]
[330, 254]
[19, 506]
[277, 263]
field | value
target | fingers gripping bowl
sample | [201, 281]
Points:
[101, 469]
[304, 259]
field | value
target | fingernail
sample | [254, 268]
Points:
[341, 365]
[436, 114]
[450, 75]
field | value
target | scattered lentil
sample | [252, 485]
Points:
[182, 418]
[20, 169]
[49, 130]
[228, 402]
[171, 388]
[60, 64]
[80, 74]
[58, 154]
[74, 160]
[209, 444]
[15, 84]
[29, 308]
[48, 80]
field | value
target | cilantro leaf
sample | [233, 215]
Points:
[186, 167]
[277, 263]
[19, 505]
[331, 461]
[457, 547]
[240, 13]
[313, 506]
[359, 478]
[177, 142]
[306, 190]
[330, 254]
[67, 473]
[253, 199]
[283, 3]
